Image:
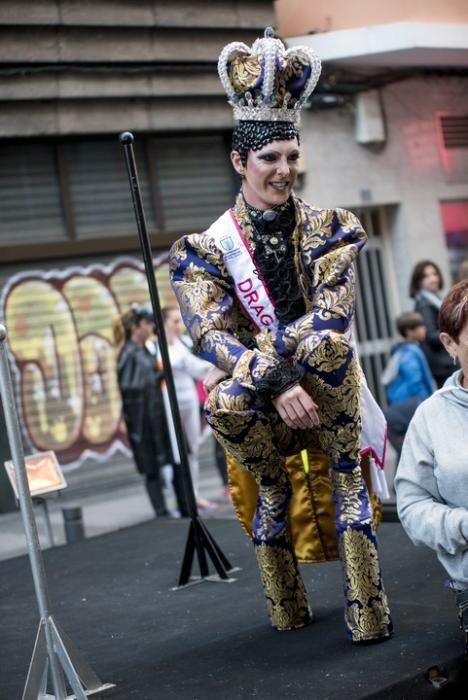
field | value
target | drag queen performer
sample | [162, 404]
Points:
[267, 294]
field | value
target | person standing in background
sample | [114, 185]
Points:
[142, 403]
[408, 375]
[407, 378]
[187, 368]
[425, 286]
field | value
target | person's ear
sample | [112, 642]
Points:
[237, 163]
[449, 344]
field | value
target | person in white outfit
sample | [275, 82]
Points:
[186, 369]
[432, 478]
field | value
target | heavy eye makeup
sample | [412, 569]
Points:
[273, 156]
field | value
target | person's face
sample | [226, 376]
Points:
[142, 331]
[173, 324]
[458, 350]
[269, 174]
[430, 279]
[417, 334]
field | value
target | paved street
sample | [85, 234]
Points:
[106, 506]
[109, 504]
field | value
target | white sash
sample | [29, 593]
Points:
[252, 293]
[251, 290]
[373, 438]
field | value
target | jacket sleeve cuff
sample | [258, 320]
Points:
[464, 528]
[279, 376]
[266, 375]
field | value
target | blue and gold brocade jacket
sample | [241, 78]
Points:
[326, 243]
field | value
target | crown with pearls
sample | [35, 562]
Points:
[268, 82]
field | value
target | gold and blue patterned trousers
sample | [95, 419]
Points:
[260, 441]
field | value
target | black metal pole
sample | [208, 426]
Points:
[198, 539]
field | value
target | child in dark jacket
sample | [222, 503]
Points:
[407, 377]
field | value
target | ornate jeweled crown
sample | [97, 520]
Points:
[268, 82]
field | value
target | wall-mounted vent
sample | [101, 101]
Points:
[454, 129]
[452, 133]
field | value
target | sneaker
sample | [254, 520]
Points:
[206, 506]
[226, 494]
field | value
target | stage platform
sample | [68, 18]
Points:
[112, 595]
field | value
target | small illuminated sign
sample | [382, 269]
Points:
[43, 472]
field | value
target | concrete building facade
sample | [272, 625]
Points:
[400, 73]
[299, 17]
[386, 135]
[73, 75]
[404, 174]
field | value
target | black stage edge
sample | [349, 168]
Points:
[213, 642]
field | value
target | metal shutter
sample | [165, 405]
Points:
[30, 205]
[374, 313]
[99, 188]
[195, 180]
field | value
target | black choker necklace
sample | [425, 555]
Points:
[272, 228]
[268, 216]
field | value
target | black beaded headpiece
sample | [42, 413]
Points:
[253, 135]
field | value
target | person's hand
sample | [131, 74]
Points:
[297, 409]
[214, 376]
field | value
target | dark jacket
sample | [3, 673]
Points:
[438, 358]
[143, 408]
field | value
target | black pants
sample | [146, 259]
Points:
[220, 457]
[155, 492]
[398, 417]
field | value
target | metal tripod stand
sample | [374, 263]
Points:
[55, 659]
[199, 540]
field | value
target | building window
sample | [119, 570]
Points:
[455, 223]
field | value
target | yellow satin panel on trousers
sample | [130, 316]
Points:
[311, 508]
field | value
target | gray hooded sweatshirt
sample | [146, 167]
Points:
[432, 477]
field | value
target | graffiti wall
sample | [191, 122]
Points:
[63, 356]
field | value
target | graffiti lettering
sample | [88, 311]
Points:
[60, 336]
